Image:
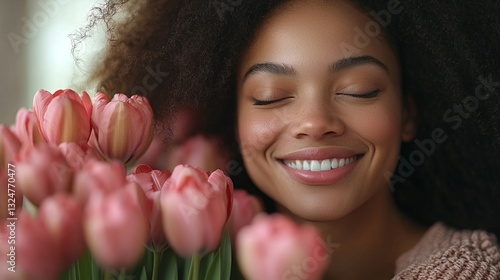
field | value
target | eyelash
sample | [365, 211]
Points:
[367, 95]
[370, 94]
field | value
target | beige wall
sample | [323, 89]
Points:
[35, 49]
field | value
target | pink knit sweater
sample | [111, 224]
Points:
[446, 253]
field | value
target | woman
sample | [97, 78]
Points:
[373, 121]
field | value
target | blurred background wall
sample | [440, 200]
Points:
[35, 50]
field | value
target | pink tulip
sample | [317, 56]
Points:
[116, 227]
[9, 146]
[199, 151]
[62, 217]
[123, 126]
[245, 208]
[63, 116]
[35, 255]
[41, 172]
[195, 209]
[151, 182]
[26, 127]
[275, 247]
[77, 155]
[98, 177]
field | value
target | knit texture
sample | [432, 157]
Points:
[446, 253]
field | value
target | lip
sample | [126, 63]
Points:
[319, 178]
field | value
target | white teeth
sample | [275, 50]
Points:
[319, 165]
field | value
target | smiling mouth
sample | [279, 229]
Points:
[319, 165]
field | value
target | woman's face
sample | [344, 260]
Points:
[320, 110]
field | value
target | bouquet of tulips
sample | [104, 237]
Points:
[78, 202]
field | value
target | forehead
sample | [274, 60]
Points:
[317, 30]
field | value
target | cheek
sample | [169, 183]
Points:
[382, 126]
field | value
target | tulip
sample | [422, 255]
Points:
[35, 255]
[98, 177]
[123, 127]
[199, 151]
[151, 182]
[42, 171]
[61, 215]
[26, 127]
[195, 209]
[9, 146]
[77, 155]
[275, 247]
[245, 208]
[115, 227]
[63, 116]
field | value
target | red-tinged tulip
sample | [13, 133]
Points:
[195, 208]
[29, 250]
[62, 217]
[63, 116]
[98, 177]
[10, 193]
[275, 247]
[26, 127]
[199, 151]
[9, 146]
[77, 155]
[123, 126]
[116, 227]
[41, 172]
[245, 208]
[151, 182]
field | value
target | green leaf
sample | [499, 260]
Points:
[169, 269]
[144, 275]
[226, 256]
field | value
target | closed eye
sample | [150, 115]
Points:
[370, 94]
[258, 102]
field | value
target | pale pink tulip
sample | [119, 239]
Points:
[199, 151]
[61, 215]
[63, 116]
[245, 208]
[9, 146]
[98, 177]
[151, 182]
[77, 155]
[116, 226]
[123, 126]
[195, 209]
[26, 127]
[41, 172]
[35, 255]
[275, 247]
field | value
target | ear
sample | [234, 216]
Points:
[409, 124]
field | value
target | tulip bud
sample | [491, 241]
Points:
[195, 208]
[115, 227]
[62, 217]
[41, 172]
[63, 116]
[245, 208]
[275, 247]
[98, 177]
[9, 146]
[26, 127]
[123, 126]
[151, 182]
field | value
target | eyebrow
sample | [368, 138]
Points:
[340, 65]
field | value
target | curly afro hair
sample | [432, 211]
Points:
[449, 54]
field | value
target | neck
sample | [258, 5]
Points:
[367, 242]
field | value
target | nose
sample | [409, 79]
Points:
[317, 120]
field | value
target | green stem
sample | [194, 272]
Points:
[107, 275]
[194, 270]
[156, 264]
